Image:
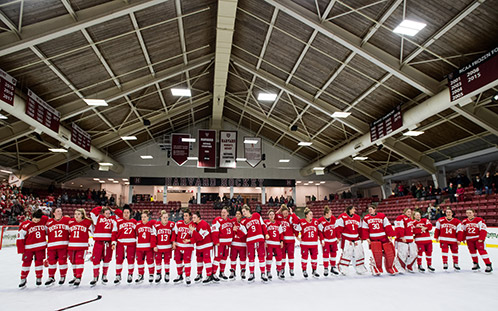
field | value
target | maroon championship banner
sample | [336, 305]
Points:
[228, 149]
[42, 112]
[207, 148]
[179, 149]
[80, 138]
[7, 87]
[252, 151]
[474, 76]
[387, 124]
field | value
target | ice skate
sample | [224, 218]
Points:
[130, 278]
[62, 280]
[158, 277]
[456, 267]
[326, 272]
[215, 278]
[281, 274]
[264, 278]
[77, 282]
[305, 274]
[476, 267]
[431, 269]
[291, 272]
[22, 284]
[166, 277]
[223, 277]
[421, 269]
[50, 282]
[243, 274]
[232, 275]
[187, 280]
[104, 279]
[268, 275]
[343, 269]
[198, 278]
[72, 281]
[151, 278]
[94, 281]
[117, 280]
[445, 266]
[251, 278]
[333, 270]
[315, 274]
[208, 280]
[178, 279]
[489, 268]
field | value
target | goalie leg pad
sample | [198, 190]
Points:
[359, 257]
[389, 256]
[412, 255]
[376, 247]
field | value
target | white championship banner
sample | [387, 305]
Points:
[228, 149]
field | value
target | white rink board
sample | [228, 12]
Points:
[465, 290]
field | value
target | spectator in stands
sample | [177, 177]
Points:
[487, 183]
[477, 183]
[313, 198]
[270, 201]
[452, 192]
[325, 198]
[460, 191]
[258, 209]
[282, 200]
[291, 202]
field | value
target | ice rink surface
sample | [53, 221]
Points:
[464, 290]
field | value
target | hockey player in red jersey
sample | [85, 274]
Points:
[421, 231]
[105, 226]
[310, 235]
[475, 232]
[201, 233]
[58, 239]
[184, 246]
[405, 243]
[31, 243]
[124, 241]
[162, 242]
[376, 230]
[238, 248]
[326, 225]
[79, 234]
[274, 245]
[222, 235]
[449, 234]
[144, 252]
[348, 225]
[254, 229]
[288, 220]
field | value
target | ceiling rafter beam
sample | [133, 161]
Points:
[373, 54]
[63, 25]
[363, 169]
[482, 116]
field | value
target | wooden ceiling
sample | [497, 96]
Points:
[272, 51]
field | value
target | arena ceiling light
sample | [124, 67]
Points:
[241, 159]
[115, 181]
[106, 164]
[413, 133]
[359, 158]
[125, 179]
[129, 137]
[110, 179]
[250, 141]
[192, 158]
[267, 97]
[305, 143]
[102, 181]
[298, 182]
[322, 182]
[284, 160]
[188, 140]
[319, 168]
[146, 157]
[58, 150]
[181, 92]
[96, 179]
[340, 114]
[6, 172]
[96, 102]
[2, 117]
[409, 28]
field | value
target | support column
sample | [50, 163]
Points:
[386, 190]
[231, 192]
[198, 194]
[165, 194]
[263, 195]
[130, 194]
[294, 195]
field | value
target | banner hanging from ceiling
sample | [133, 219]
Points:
[179, 148]
[228, 149]
[207, 148]
[252, 150]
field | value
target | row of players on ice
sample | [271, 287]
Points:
[153, 243]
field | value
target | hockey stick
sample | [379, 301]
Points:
[81, 303]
